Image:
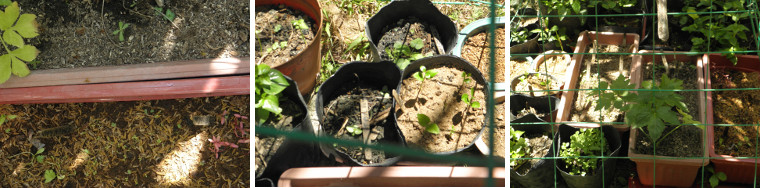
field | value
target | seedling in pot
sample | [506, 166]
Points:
[402, 54]
[423, 75]
[647, 109]
[425, 121]
[268, 87]
[518, 147]
[585, 142]
[354, 130]
[469, 98]
[120, 31]
[715, 178]
[299, 24]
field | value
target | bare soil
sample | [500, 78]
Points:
[140, 144]
[605, 68]
[346, 111]
[736, 107]
[440, 100]
[275, 25]
[556, 66]
[476, 51]
[79, 33]
[518, 67]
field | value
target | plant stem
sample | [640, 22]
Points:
[5, 45]
[666, 135]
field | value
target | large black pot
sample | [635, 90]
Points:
[453, 62]
[378, 75]
[542, 173]
[399, 9]
[542, 104]
[300, 123]
[602, 177]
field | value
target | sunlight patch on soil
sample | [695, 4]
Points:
[81, 157]
[178, 166]
[169, 40]
[227, 52]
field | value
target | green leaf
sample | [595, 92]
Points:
[26, 26]
[475, 104]
[271, 103]
[49, 176]
[170, 15]
[433, 128]
[355, 42]
[26, 52]
[692, 10]
[2, 119]
[416, 43]
[5, 67]
[655, 127]
[19, 68]
[423, 119]
[40, 158]
[277, 28]
[721, 176]
[664, 113]
[576, 6]
[13, 38]
[40, 150]
[10, 117]
[9, 17]
[5, 2]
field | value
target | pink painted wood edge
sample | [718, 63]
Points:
[571, 77]
[129, 91]
[390, 176]
[136, 72]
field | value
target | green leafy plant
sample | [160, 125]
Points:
[422, 75]
[168, 15]
[299, 24]
[268, 87]
[402, 54]
[120, 31]
[354, 130]
[425, 121]
[552, 34]
[716, 177]
[37, 157]
[585, 142]
[725, 30]
[518, 147]
[277, 45]
[49, 176]
[647, 109]
[15, 28]
[469, 99]
[4, 118]
[358, 46]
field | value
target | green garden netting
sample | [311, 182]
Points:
[697, 27]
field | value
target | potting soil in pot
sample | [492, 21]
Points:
[555, 65]
[80, 33]
[140, 143]
[499, 127]
[281, 33]
[343, 120]
[686, 140]
[736, 107]
[518, 66]
[537, 82]
[404, 32]
[266, 146]
[439, 99]
[476, 51]
[594, 68]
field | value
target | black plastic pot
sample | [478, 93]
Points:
[602, 177]
[378, 75]
[542, 104]
[300, 123]
[291, 154]
[399, 9]
[541, 174]
[453, 62]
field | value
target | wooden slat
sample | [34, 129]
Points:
[137, 72]
[129, 91]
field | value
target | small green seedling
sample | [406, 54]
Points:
[423, 75]
[716, 178]
[122, 26]
[49, 176]
[277, 45]
[169, 15]
[299, 24]
[402, 54]
[4, 117]
[277, 28]
[518, 147]
[39, 158]
[268, 87]
[354, 130]
[430, 127]
[468, 99]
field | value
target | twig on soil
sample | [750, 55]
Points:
[364, 105]
[438, 43]
[342, 128]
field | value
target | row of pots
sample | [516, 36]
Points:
[662, 170]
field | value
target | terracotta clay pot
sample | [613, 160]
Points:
[304, 67]
[737, 170]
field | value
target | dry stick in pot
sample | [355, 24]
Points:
[438, 43]
[364, 105]
[622, 50]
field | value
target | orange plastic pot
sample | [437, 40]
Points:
[737, 170]
[666, 170]
[304, 67]
[396, 176]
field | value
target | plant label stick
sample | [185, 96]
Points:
[364, 105]
[662, 20]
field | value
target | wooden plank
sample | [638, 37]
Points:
[129, 91]
[137, 72]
